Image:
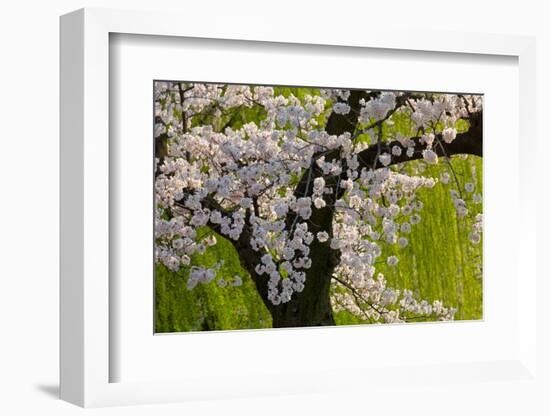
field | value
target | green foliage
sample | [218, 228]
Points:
[299, 93]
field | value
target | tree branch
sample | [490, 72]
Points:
[469, 142]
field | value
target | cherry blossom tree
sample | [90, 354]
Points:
[308, 186]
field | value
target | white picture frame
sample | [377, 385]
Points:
[85, 267]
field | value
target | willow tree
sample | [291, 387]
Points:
[307, 185]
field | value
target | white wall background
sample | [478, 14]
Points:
[29, 57]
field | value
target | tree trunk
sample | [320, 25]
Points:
[312, 307]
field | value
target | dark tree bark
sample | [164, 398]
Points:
[312, 307]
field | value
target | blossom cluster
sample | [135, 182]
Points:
[375, 302]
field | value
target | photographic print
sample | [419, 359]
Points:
[284, 206]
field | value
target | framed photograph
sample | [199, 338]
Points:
[291, 212]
